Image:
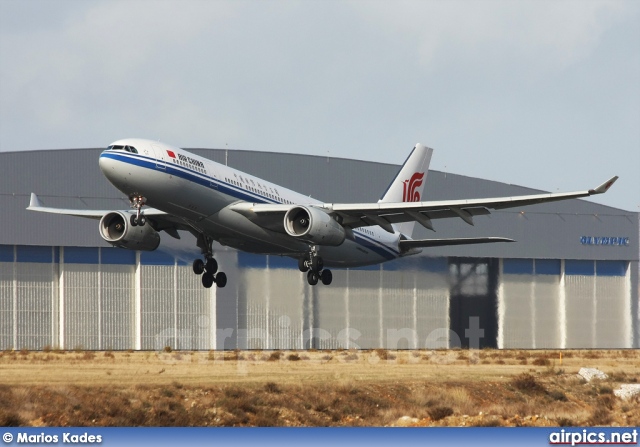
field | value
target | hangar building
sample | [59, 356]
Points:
[571, 280]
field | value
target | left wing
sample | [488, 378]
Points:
[424, 212]
[384, 213]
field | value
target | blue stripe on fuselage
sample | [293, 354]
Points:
[379, 248]
[189, 175]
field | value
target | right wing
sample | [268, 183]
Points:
[36, 205]
[161, 220]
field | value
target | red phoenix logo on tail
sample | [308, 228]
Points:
[409, 193]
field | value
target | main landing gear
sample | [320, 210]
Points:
[313, 265]
[137, 202]
[208, 267]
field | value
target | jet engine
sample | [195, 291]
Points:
[116, 229]
[313, 225]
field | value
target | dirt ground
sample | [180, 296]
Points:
[316, 388]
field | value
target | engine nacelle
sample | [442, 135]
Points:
[116, 229]
[313, 225]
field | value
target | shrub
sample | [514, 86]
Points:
[541, 362]
[558, 395]
[272, 387]
[10, 419]
[527, 383]
[438, 413]
[565, 422]
[600, 416]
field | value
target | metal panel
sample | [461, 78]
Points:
[286, 321]
[253, 334]
[225, 308]
[193, 307]
[398, 308]
[516, 303]
[365, 301]
[612, 316]
[158, 307]
[7, 302]
[117, 291]
[432, 309]
[81, 306]
[530, 314]
[547, 316]
[332, 323]
[34, 305]
[580, 311]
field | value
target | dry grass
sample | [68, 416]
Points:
[314, 388]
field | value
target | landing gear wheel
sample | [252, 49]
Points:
[142, 220]
[326, 276]
[312, 278]
[221, 280]
[211, 266]
[133, 220]
[208, 280]
[302, 265]
[198, 266]
[316, 263]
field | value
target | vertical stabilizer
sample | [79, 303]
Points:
[409, 183]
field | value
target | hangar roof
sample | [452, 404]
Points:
[72, 179]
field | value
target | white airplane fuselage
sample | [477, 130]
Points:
[200, 191]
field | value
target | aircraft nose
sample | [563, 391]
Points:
[109, 168]
[104, 164]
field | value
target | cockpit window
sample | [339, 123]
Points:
[114, 147]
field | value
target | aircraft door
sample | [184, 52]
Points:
[161, 157]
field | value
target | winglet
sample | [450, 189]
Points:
[34, 202]
[604, 187]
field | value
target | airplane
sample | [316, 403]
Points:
[172, 190]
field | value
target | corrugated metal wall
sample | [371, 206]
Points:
[572, 304]
[363, 308]
[79, 297]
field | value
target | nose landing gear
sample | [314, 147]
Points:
[137, 202]
[314, 266]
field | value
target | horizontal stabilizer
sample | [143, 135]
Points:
[409, 244]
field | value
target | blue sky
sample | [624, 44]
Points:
[544, 94]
